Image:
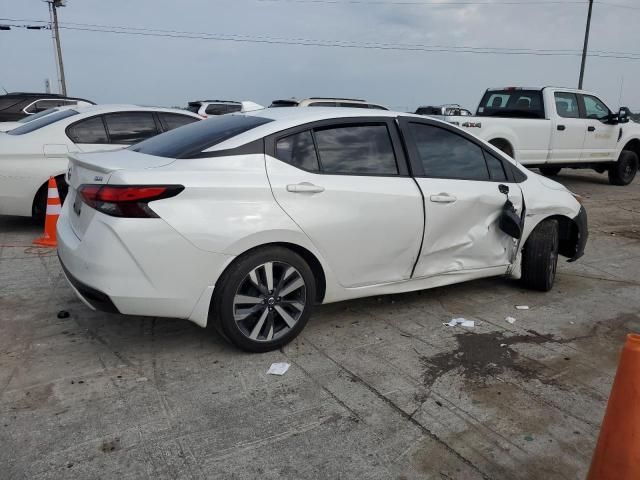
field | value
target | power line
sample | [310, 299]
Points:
[618, 5]
[125, 30]
[431, 3]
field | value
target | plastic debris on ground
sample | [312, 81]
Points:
[511, 320]
[522, 307]
[463, 322]
[278, 369]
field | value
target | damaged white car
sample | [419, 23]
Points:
[246, 221]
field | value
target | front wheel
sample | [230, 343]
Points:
[550, 171]
[624, 170]
[540, 256]
[264, 299]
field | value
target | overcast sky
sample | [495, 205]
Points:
[113, 68]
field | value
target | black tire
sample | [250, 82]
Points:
[624, 170]
[236, 283]
[39, 208]
[550, 171]
[540, 256]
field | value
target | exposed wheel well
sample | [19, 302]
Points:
[568, 235]
[310, 258]
[503, 145]
[633, 146]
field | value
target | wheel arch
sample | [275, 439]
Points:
[568, 233]
[632, 145]
[504, 145]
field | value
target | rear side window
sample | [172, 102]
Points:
[511, 103]
[298, 150]
[194, 107]
[42, 122]
[194, 138]
[567, 105]
[174, 120]
[90, 130]
[42, 105]
[361, 149]
[216, 109]
[445, 154]
[130, 127]
[322, 104]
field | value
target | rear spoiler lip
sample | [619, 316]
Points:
[93, 166]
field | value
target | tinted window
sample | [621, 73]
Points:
[28, 118]
[595, 109]
[298, 150]
[130, 127]
[90, 130]
[194, 107]
[194, 138]
[215, 109]
[42, 122]
[512, 103]
[234, 108]
[322, 104]
[445, 154]
[42, 105]
[362, 149]
[496, 169]
[567, 105]
[174, 120]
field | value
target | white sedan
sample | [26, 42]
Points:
[245, 221]
[38, 148]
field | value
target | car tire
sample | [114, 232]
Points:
[540, 256]
[550, 171]
[624, 170]
[259, 311]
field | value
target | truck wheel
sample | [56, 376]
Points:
[550, 171]
[624, 170]
[540, 256]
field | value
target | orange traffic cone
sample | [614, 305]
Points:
[617, 454]
[54, 207]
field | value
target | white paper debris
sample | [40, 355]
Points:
[522, 307]
[511, 320]
[278, 369]
[503, 345]
[463, 322]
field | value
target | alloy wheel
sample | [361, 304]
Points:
[269, 301]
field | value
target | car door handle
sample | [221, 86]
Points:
[442, 198]
[591, 129]
[561, 127]
[304, 187]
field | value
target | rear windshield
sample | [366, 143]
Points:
[42, 122]
[511, 103]
[284, 103]
[192, 139]
[35, 116]
[194, 107]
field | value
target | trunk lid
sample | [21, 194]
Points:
[97, 168]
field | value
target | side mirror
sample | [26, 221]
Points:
[623, 115]
[510, 221]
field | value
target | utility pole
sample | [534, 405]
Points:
[54, 5]
[586, 44]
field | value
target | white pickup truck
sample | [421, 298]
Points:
[553, 128]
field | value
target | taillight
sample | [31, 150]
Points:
[126, 200]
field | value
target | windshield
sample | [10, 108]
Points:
[37, 115]
[513, 103]
[192, 139]
[42, 122]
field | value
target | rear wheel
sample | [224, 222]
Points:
[540, 256]
[624, 170]
[550, 171]
[264, 299]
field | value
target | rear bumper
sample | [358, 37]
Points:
[138, 267]
[580, 221]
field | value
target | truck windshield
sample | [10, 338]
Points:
[513, 103]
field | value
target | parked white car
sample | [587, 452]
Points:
[554, 128]
[212, 108]
[38, 149]
[246, 221]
